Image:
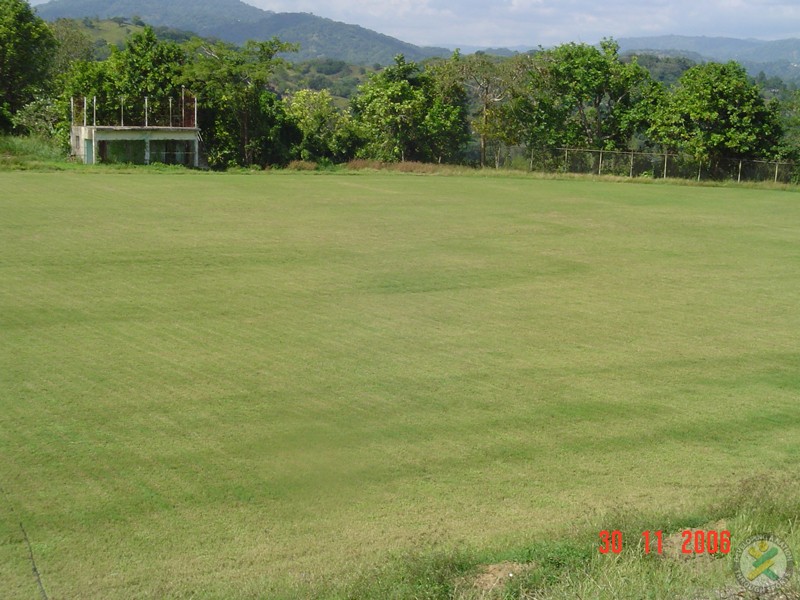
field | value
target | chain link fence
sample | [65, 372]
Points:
[652, 165]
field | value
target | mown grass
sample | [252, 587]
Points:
[369, 384]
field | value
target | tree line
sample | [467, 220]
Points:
[454, 110]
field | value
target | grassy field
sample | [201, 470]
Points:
[252, 386]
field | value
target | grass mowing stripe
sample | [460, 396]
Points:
[259, 382]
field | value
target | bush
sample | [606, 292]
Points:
[302, 165]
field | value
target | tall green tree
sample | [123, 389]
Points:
[539, 113]
[602, 96]
[405, 114]
[790, 125]
[243, 120]
[27, 48]
[145, 68]
[327, 131]
[73, 45]
[716, 112]
[447, 119]
[390, 109]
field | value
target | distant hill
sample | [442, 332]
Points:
[779, 58]
[235, 21]
[200, 16]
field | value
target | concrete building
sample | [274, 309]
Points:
[138, 144]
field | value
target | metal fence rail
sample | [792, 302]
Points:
[653, 165]
[180, 111]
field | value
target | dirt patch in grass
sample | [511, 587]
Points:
[495, 577]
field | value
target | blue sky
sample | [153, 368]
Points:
[548, 22]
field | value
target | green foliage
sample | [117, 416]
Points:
[431, 574]
[404, 114]
[664, 69]
[244, 121]
[716, 112]
[488, 81]
[599, 95]
[39, 118]
[31, 152]
[27, 48]
[328, 132]
[73, 45]
[790, 124]
[571, 95]
[329, 66]
[147, 67]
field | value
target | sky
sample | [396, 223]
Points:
[531, 23]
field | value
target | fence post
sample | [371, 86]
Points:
[699, 170]
[631, 165]
[776, 171]
[566, 160]
[666, 158]
[600, 166]
[740, 172]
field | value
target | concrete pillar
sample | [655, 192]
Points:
[147, 151]
[94, 147]
[196, 152]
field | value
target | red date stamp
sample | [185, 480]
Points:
[694, 541]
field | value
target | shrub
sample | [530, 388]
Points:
[302, 165]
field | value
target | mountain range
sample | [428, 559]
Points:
[235, 21]
[779, 58]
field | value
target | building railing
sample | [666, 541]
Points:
[172, 112]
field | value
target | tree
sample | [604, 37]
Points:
[716, 112]
[27, 47]
[244, 122]
[790, 125]
[539, 112]
[326, 130]
[405, 114]
[602, 95]
[446, 121]
[488, 80]
[146, 67]
[73, 45]
[390, 109]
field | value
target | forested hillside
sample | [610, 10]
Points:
[780, 58]
[235, 21]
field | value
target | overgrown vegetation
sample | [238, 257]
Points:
[570, 566]
[22, 153]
